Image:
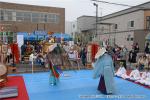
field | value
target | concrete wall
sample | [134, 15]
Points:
[118, 38]
[85, 23]
[139, 37]
[123, 21]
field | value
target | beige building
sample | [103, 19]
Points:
[124, 27]
[28, 18]
[127, 26]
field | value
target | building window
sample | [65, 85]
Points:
[51, 18]
[8, 15]
[148, 22]
[116, 26]
[44, 18]
[35, 17]
[28, 16]
[131, 23]
[1, 15]
[131, 38]
[73, 26]
[19, 16]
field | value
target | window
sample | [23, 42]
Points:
[19, 16]
[2, 15]
[116, 26]
[27, 17]
[131, 38]
[8, 15]
[53, 18]
[73, 26]
[35, 17]
[43, 18]
[148, 22]
[57, 18]
[131, 24]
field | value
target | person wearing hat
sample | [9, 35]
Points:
[104, 68]
[53, 59]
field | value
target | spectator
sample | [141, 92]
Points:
[136, 48]
[83, 56]
[147, 48]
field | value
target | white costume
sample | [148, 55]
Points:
[135, 75]
[121, 72]
[32, 57]
[143, 77]
[147, 80]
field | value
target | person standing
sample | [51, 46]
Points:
[83, 56]
[104, 68]
[9, 53]
[147, 51]
[136, 48]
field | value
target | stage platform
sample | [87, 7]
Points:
[79, 85]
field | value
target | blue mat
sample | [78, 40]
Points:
[80, 85]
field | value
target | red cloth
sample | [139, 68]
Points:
[15, 51]
[19, 82]
[94, 50]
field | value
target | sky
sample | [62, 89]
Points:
[77, 8]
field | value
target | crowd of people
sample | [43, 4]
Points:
[76, 51]
[140, 62]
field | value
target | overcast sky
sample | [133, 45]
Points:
[77, 8]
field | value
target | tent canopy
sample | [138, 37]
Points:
[43, 36]
[62, 35]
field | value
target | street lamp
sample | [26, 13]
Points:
[95, 4]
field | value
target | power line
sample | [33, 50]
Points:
[112, 3]
[119, 4]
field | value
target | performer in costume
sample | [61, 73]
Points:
[54, 61]
[104, 68]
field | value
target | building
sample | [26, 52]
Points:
[30, 18]
[86, 26]
[71, 28]
[125, 27]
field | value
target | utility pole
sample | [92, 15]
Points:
[95, 4]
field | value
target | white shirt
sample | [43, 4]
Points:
[135, 74]
[121, 71]
[148, 77]
[144, 75]
[32, 57]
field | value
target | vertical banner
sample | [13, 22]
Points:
[20, 40]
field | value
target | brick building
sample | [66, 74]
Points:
[28, 18]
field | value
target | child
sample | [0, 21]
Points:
[143, 77]
[147, 80]
[135, 74]
[121, 72]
